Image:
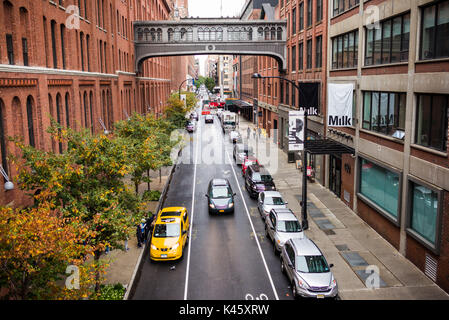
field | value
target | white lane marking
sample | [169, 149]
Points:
[252, 227]
[198, 141]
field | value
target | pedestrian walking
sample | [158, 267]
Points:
[254, 133]
[140, 233]
[248, 132]
[149, 226]
[126, 244]
[259, 130]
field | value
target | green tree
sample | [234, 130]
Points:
[85, 182]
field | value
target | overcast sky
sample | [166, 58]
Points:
[211, 9]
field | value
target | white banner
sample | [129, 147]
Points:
[296, 130]
[339, 104]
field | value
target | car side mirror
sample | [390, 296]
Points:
[286, 202]
[234, 194]
[331, 265]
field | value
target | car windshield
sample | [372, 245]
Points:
[167, 230]
[311, 264]
[249, 162]
[220, 192]
[277, 201]
[257, 177]
[288, 226]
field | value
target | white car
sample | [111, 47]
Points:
[282, 225]
[234, 136]
[270, 200]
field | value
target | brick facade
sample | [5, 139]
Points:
[77, 74]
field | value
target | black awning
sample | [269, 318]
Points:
[327, 146]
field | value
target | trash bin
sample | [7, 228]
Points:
[291, 157]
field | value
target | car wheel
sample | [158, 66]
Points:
[295, 291]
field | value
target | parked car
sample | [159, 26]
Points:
[220, 196]
[307, 269]
[235, 137]
[209, 118]
[194, 115]
[281, 225]
[270, 200]
[247, 162]
[190, 126]
[240, 152]
[170, 234]
[258, 179]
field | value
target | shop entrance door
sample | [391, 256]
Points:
[335, 174]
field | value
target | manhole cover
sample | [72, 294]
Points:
[354, 259]
[324, 224]
[342, 247]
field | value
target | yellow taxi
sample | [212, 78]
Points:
[170, 234]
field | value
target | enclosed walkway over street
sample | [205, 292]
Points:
[225, 36]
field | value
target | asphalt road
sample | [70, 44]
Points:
[228, 256]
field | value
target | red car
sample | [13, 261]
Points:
[247, 162]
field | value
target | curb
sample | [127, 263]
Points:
[131, 287]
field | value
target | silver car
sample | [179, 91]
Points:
[307, 269]
[270, 200]
[282, 225]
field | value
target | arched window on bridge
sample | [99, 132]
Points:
[273, 33]
[206, 34]
[146, 31]
[189, 34]
[159, 35]
[250, 33]
[139, 34]
[153, 34]
[260, 33]
[279, 33]
[200, 34]
[219, 34]
[177, 34]
[183, 34]
[170, 34]
[267, 33]
[212, 34]
[230, 34]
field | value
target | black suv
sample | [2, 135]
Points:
[220, 196]
[258, 179]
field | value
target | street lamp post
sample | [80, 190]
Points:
[304, 222]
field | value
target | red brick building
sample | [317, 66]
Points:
[77, 70]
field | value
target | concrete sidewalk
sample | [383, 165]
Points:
[348, 242]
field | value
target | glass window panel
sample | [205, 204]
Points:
[392, 115]
[383, 113]
[369, 46]
[380, 185]
[375, 112]
[439, 118]
[401, 113]
[396, 40]
[377, 46]
[351, 49]
[301, 54]
[424, 212]
[405, 37]
[423, 120]
[345, 51]
[340, 52]
[356, 48]
[442, 32]
[428, 33]
[386, 41]
[334, 53]
[366, 110]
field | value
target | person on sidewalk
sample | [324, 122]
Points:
[248, 132]
[149, 225]
[254, 133]
[140, 233]
[259, 130]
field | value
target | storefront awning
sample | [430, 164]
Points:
[327, 146]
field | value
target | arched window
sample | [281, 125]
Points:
[139, 34]
[279, 33]
[260, 33]
[170, 34]
[273, 33]
[3, 136]
[67, 111]
[91, 105]
[249, 30]
[63, 45]
[200, 34]
[219, 34]
[153, 34]
[230, 34]
[159, 35]
[177, 35]
[213, 35]
[59, 116]
[267, 33]
[109, 110]
[183, 34]
[86, 111]
[53, 43]
[52, 114]
[206, 34]
[30, 118]
[82, 50]
[146, 31]
[189, 35]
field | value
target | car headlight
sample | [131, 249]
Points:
[333, 282]
[303, 284]
[231, 204]
[175, 246]
[153, 247]
[212, 205]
